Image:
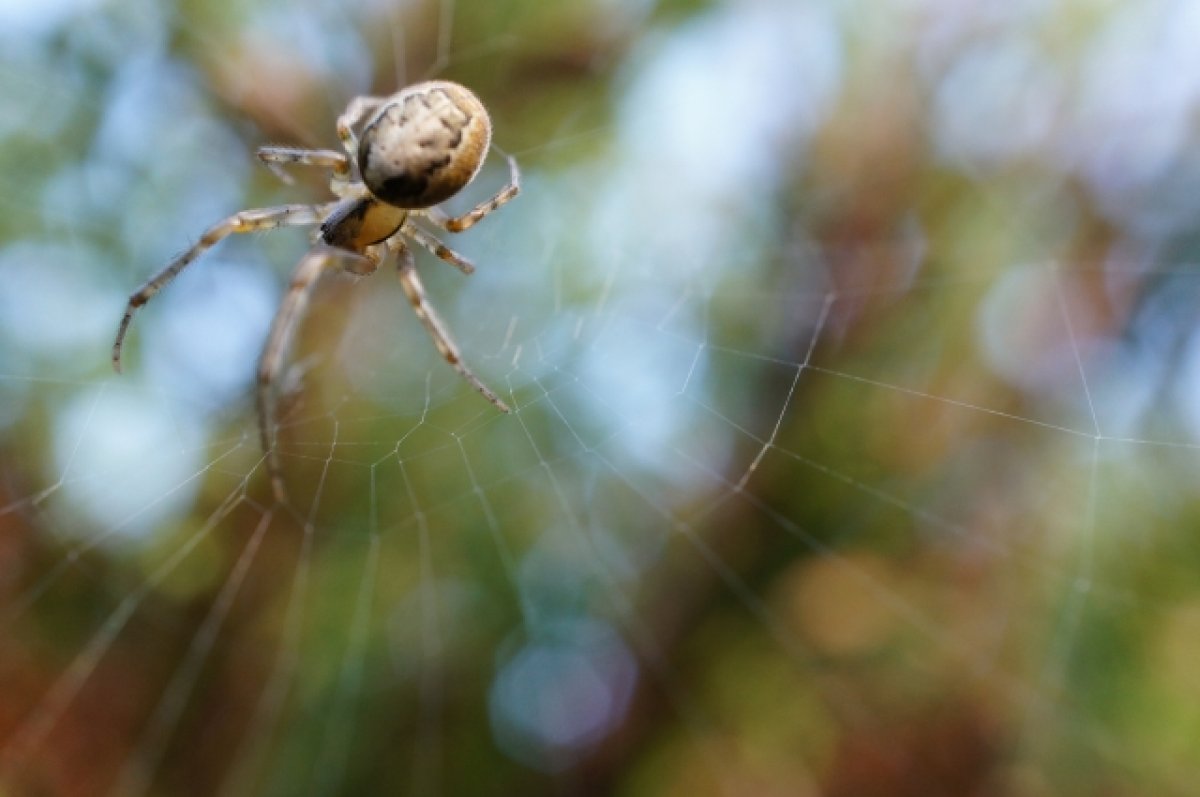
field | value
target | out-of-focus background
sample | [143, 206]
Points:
[856, 444]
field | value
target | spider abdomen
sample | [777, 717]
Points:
[424, 144]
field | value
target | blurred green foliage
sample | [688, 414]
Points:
[853, 355]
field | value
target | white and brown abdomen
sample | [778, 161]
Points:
[424, 145]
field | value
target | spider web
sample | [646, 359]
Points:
[854, 435]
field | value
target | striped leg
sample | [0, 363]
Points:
[415, 291]
[438, 248]
[242, 222]
[283, 329]
[467, 220]
[356, 111]
[275, 158]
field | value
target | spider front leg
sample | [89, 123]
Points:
[283, 329]
[241, 222]
[467, 220]
[415, 291]
[438, 248]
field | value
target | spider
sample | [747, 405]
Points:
[417, 148]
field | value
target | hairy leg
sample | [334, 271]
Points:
[242, 222]
[467, 220]
[438, 248]
[275, 158]
[415, 291]
[283, 329]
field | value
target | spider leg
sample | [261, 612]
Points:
[358, 108]
[283, 329]
[438, 248]
[415, 291]
[275, 158]
[241, 222]
[467, 220]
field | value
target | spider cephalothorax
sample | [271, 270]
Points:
[417, 148]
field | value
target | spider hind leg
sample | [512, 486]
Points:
[276, 158]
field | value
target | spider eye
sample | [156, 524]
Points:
[424, 145]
